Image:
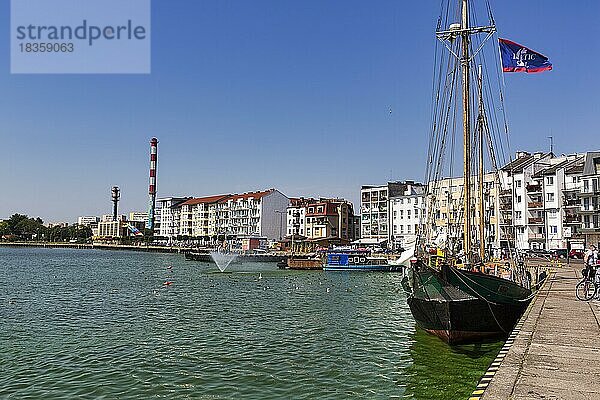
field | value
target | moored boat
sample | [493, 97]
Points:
[358, 260]
[454, 290]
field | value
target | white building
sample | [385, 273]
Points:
[590, 199]
[138, 216]
[543, 201]
[167, 216]
[407, 212]
[88, 220]
[252, 214]
[375, 212]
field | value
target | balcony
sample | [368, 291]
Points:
[572, 203]
[536, 236]
[506, 221]
[506, 193]
[536, 220]
[590, 190]
[572, 219]
[535, 204]
[506, 206]
[534, 188]
[590, 227]
[590, 208]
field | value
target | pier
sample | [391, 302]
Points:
[554, 351]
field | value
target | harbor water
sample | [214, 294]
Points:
[106, 324]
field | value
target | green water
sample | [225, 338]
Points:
[102, 325]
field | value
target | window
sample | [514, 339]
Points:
[519, 199]
[401, 214]
[549, 180]
[407, 228]
[518, 183]
[553, 229]
[552, 213]
[407, 213]
[401, 228]
[550, 196]
[518, 214]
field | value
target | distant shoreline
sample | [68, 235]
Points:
[147, 249]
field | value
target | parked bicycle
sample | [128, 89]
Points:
[589, 286]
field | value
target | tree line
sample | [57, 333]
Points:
[23, 227]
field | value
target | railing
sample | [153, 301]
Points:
[534, 188]
[536, 220]
[535, 204]
[572, 202]
[536, 236]
[572, 219]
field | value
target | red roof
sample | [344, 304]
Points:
[255, 195]
[200, 200]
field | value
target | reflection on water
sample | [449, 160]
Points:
[439, 371]
[100, 324]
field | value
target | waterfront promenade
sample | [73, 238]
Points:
[556, 352]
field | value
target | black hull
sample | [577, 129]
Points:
[464, 307]
[465, 321]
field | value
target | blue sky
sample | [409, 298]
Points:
[295, 95]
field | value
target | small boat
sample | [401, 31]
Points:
[358, 260]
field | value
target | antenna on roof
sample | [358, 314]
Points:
[551, 144]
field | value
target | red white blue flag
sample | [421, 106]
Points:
[517, 58]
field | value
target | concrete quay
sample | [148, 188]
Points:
[554, 351]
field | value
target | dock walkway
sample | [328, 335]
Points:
[555, 353]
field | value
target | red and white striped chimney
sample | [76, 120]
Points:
[152, 185]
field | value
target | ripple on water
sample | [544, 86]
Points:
[97, 324]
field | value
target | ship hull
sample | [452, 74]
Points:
[464, 307]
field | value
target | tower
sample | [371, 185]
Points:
[116, 196]
[152, 185]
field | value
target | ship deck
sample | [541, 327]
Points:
[554, 351]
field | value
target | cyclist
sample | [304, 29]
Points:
[591, 260]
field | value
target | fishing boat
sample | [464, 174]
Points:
[358, 260]
[454, 290]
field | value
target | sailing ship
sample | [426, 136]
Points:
[453, 289]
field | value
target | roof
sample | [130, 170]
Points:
[592, 163]
[552, 170]
[519, 163]
[248, 195]
[204, 200]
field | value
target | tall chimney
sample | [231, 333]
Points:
[152, 185]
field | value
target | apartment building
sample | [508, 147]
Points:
[251, 214]
[375, 211]
[167, 217]
[541, 201]
[590, 199]
[408, 215]
[322, 219]
[296, 216]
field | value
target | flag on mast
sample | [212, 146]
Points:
[518, 58]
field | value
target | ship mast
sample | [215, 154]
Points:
[465, 60]
[480, 128]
